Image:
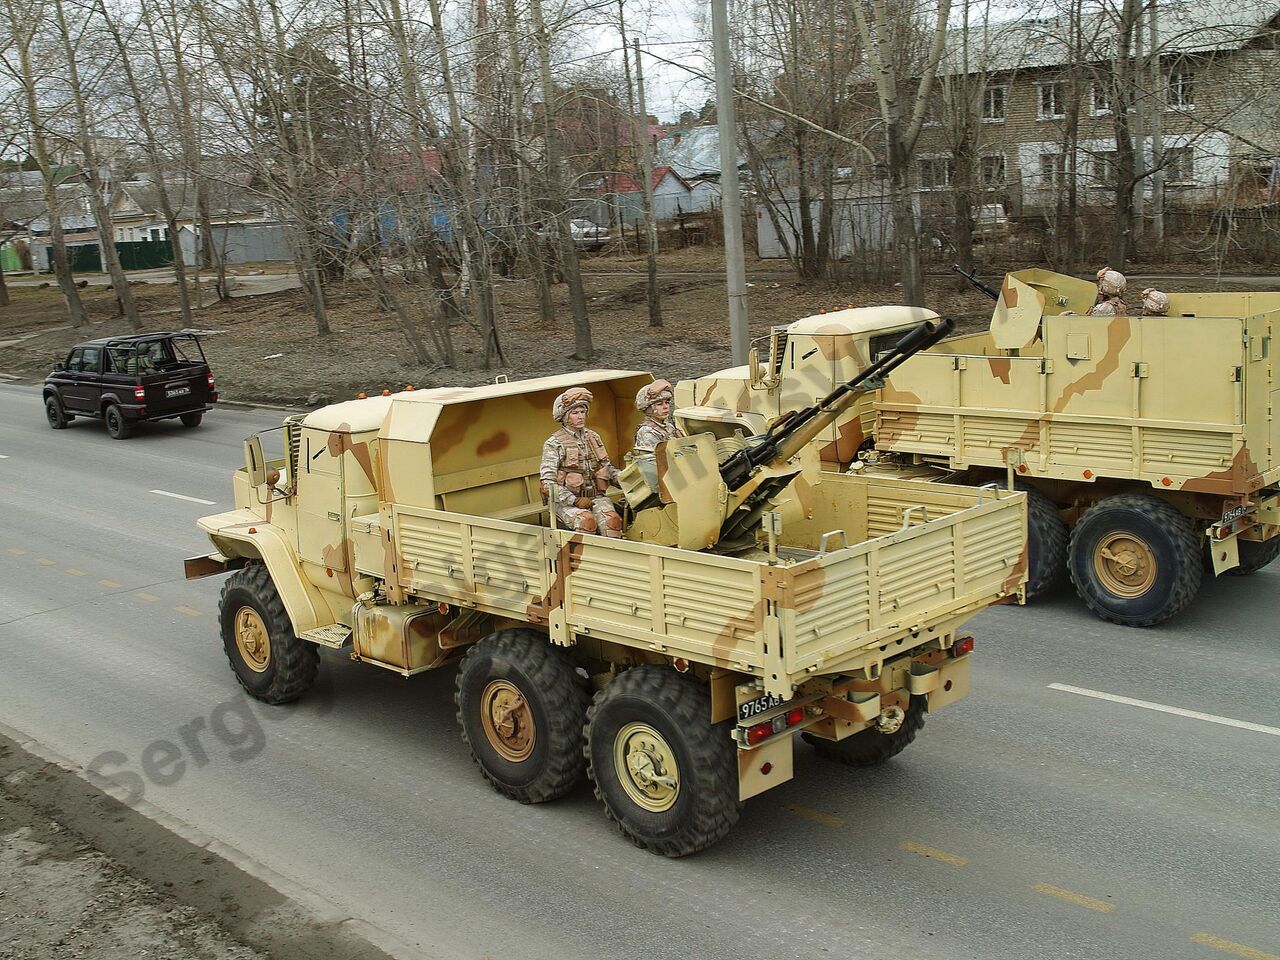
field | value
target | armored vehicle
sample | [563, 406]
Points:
[752, 597]
[1148, 446]
[129, 380]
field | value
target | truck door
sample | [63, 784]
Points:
[321, 525]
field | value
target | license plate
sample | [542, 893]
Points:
[753, 708]
[177, 391]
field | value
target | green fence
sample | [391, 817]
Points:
[139, 255]
[9, 259]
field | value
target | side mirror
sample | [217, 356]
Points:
[58, 365]
[254, 464]
[753, 366]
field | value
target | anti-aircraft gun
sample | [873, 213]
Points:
[701, 493]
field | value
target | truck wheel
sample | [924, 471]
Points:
[1135, 560]
[270, 662]
[870, 747]
[118, 428]
[1047, 539]
[1254, 555]
[665, 774]
[521, 706]
[191, 419]
[58, 418]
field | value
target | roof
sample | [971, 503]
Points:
[627, 183]
[1186, 27]
[136, 338]
[861, 320]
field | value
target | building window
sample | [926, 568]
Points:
[1105, 165]
[1179, 165]
[1053, 101]
[1053, 171]
[1101, 99]
[993, 171]
[994, 100]
[1182, 91]
[935, 173]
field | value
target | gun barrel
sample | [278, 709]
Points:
[972, 278]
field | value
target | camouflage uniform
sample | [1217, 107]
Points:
[577, 462]
[1111, 287]
[653, 431]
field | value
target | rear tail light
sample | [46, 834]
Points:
[139, 393]
[764, 730]
[962, 646]
[211, 383]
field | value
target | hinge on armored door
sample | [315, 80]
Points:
[1237, 374]
[1140, 370]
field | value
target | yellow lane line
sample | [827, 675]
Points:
[817, 816]
[111, 584]
[189, 611]
[1235, 949]
[149, 597]
[1079, 899]
[45, 563]
[933, 854]
[17, 551]
[72, 571]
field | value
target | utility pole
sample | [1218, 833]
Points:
[646, 170]
[1157, 132]
[730, 199]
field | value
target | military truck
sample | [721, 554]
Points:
[1149, 447]
[753, 597]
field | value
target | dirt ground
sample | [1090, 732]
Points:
[82, 877]
[366, 351]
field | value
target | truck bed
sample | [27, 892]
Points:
[903, 562]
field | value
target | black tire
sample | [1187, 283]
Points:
[705, 806]
[1254, 555]
[118, 427]
[1171, 542]
[192, 419]
[1047, 540]
[55, 414]
[291, 665]
[870, 747]
[549, 766]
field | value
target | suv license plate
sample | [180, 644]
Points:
[753, 708]
[177, 391]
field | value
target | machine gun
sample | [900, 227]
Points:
[698, 494]
[972, 278]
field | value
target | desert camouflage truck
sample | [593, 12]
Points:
[1148, 446]
[750, 599]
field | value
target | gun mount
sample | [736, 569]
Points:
[703, 492]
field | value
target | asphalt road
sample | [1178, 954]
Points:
[1026, 821]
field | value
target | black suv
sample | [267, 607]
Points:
[124, 380]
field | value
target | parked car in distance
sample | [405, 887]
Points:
[990, 222]
[128, 380]
[588, 235]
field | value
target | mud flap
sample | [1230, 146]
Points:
[1225, 553]
[764, 767]
[943, 684]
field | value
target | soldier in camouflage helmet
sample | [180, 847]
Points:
[1111, 287]
[1155, 303]
[654, 401]
[575, 460]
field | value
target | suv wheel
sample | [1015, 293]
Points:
[191, 419]
[118, 428]
[58, 418]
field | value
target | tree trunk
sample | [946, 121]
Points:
[4, 289]
[906, 238]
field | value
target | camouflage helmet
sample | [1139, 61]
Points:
[652, 393]
[1154, 302]
[573, 397]
[1111, 283]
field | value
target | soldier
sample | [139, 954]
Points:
[1155, 303]
[1111, 287]
[654, 401]
[574, 458]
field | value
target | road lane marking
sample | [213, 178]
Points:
[1161, 708]
[933, 854]
[1079, 899]
[1235, 949]
[189, 611]
[110, 584]
[4, 456]
[149, 597]
[183, 496]
[17, 551]
[817, 816]
[72, 571]
[45, 562]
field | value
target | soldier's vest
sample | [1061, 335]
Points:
[578, 464]
[666, 429]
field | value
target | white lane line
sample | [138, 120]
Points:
[1161, 708]
[183, 496]
[4, 456]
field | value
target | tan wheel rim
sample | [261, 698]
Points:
[1125, 563]
[646, 767]
[507, 720]
[252, 639]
